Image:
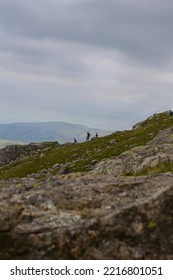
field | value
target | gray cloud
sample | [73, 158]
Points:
[139, 30]
[85, 60]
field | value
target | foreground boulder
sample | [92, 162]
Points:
[90, 217]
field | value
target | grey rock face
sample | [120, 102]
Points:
[159, 149]
[13, 152]
[91, 217]
[135, 160]
[165, 136]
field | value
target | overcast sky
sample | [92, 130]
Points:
[103, 63]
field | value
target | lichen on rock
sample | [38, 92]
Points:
[90, 217]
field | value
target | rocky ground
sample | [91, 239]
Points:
[53, 213]
[13, 153]
[158, 150]
[135, 160]
[89, 217]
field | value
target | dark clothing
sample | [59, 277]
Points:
[88, 136]
[170, 113]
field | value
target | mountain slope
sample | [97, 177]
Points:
[47, 131]
[81, 157]
[72, 215]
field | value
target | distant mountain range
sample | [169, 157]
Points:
[45, 131]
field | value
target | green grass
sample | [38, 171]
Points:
[162, 167]
[82, 154]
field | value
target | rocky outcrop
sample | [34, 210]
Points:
[13, 152]
[91, 217]
[157, 150]
[165, 136]
[135, 160]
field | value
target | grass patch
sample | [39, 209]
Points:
[162, 167]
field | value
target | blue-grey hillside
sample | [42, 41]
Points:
[47, 131]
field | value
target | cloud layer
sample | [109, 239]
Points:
[102, 63]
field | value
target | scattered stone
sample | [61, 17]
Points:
[111, 142]
[94, 161]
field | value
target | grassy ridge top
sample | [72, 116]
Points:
[81, 155]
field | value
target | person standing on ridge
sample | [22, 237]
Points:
[170, 113]
[88, 136]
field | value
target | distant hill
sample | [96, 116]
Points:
[46, 131]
